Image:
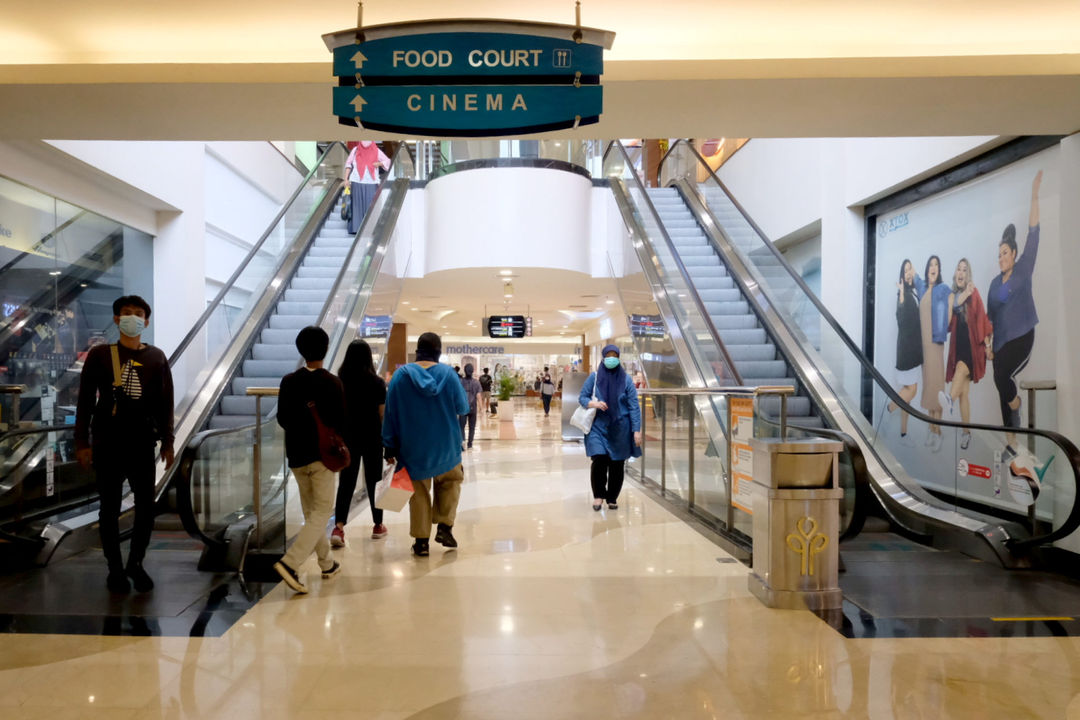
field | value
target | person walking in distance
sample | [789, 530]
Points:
[472, 392]
[365, 398]
[305, 394]
[125, 408]
[616, 430]
[547, 390]
[421, 430]
[485, 391]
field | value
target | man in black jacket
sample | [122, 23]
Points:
[310, 384]
[125, 408]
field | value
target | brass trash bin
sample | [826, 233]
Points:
[796, 504]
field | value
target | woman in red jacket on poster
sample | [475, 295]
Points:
[971, 332]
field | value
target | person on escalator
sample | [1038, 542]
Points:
[362, 170]
[125, 408]
[309, 397]
[615, 434]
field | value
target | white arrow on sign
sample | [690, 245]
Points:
[358, 59]
[358, 103]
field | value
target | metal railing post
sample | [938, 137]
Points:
[663, 449]
[728, 480]
[256, 482]
[690, 450]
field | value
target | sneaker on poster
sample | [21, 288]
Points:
[947, 404]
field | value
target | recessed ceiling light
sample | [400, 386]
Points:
[416, 308]
[506, 272]
[566, 326]
[404, 302]
[610, 302]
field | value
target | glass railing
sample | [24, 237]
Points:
[1026, 478]
[224, 482]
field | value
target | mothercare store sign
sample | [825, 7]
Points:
[468, 78]
[966, 308]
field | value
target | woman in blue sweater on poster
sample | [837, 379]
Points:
[616, 430]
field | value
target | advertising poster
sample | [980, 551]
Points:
[742, 464]
[965, 310]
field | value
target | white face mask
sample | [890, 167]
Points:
[131, 325]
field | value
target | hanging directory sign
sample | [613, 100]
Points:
[470, 54]
[468, 78]
[742, 454]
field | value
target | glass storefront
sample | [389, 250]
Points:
[61, 267]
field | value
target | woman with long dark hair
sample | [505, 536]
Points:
[909, 351]
[616, 430]
[365, 398]
[934, 324]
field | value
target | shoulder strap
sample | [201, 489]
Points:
[117, 382]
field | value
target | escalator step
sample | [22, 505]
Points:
[279, 337]
[269, 368]
[715, 295]
[798, 405]
[764, 351]
[263, 351]
[308, 271]
[292, 322]
[244, 405]
[309, 283]
[733, 322]
[731, 307]
[760, 368]
[320, 261]
[300, 295]
[306, 309]
[740, 336]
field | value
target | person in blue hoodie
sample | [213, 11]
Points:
[616, 429]
[420, 430]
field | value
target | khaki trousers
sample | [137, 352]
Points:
[317, 489]
[447, 489]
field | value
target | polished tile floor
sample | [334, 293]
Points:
[547, 610]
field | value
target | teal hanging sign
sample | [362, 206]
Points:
[470, 55]
[468, 78]
[465, 109]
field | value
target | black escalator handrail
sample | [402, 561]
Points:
[1072, 522]
[228, 285]
[46, 238]
[691, 288]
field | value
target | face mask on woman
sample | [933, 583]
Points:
[131, 325]
[611, 363]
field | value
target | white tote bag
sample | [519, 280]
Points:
[395, 488]
[583, 418]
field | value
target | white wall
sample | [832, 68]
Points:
[525, 217]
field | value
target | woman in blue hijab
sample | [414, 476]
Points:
[616, 430]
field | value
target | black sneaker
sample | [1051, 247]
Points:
[443, 536]
[613, 506]
[420, 547]
[290, 577]
[117, 582]
[334, 570]
[139, 578]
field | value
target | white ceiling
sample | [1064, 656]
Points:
[205, 69]
[559, 301]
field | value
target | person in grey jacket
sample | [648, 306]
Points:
[473, 390]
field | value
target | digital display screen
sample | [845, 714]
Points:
[647, 326]
[376, 326]
[506, 326]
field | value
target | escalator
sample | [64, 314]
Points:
[739, 293]
[301, 271]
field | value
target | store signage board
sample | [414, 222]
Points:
[468, 55]
[469, 109]
[647, 326]
[468, 78]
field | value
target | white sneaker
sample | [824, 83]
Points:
[947, 404]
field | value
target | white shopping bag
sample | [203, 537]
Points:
[395, 488]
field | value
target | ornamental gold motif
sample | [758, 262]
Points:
[807, 542]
